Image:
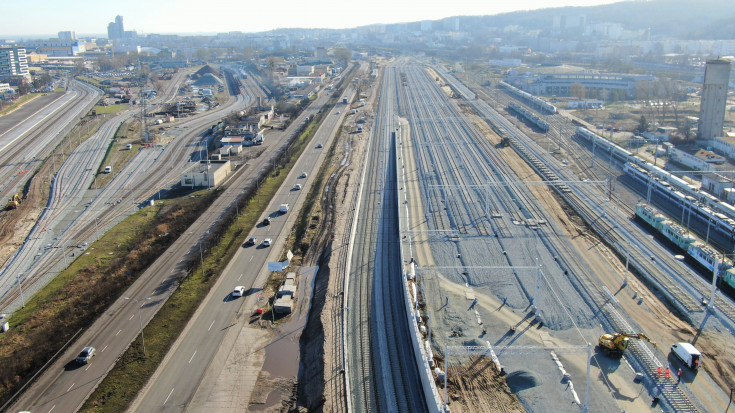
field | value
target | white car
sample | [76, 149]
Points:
[267, 242]
[303, 175]
[297, 187]
[238, 291]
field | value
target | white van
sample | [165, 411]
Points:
[688, 354]
[108, 169]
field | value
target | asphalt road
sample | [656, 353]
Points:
[176, 382]
[64, 388]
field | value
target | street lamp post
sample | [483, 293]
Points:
[140, 320]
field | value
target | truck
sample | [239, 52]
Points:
[688, 354]
[344, 100]
[283, 209]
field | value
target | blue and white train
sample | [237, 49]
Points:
[672, 186]
[529, 116]
[529, 99]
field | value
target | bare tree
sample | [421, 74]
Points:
[674, 94]
[577, 90]
[342, 55]
[644, 93]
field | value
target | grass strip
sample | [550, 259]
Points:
[109, 109]
[21, 100]
[125, 380]
[78, 295]
[90, 80]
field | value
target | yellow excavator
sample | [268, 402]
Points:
[614, 345]
[14, 202]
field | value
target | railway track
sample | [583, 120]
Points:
[19, 161]
[383, 374]
[676, 397]
[105, 207]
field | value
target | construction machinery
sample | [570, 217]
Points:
[14, 201]
[614, 345]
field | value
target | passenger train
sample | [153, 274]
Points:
[531, 117]
[701, 253]
[669, 185]
[529, 99]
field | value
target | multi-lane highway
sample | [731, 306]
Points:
[188, 377]
[61, 389]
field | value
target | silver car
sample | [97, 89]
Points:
[86, 355]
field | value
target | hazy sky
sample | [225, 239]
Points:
[47, 17]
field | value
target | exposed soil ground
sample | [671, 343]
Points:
[475, 386]
[321, 384]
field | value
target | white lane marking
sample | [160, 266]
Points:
[251, 258]
[118, 332]
[192, 357]
[210, 326]
[238, 278]
[131, 317]
[88, 366]
[169, 395]
[72, 385]
[52, 408]
[103, 350]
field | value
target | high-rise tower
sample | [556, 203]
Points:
[714, 98]
[116, 30]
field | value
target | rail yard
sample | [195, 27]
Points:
[473, 268]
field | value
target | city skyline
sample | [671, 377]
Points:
[217, 16]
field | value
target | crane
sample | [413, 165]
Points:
[614, 345]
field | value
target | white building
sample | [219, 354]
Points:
[57, 47]
[304, 70]
[725, 146]
[211, 175]
[702, 160]
[717, 185]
